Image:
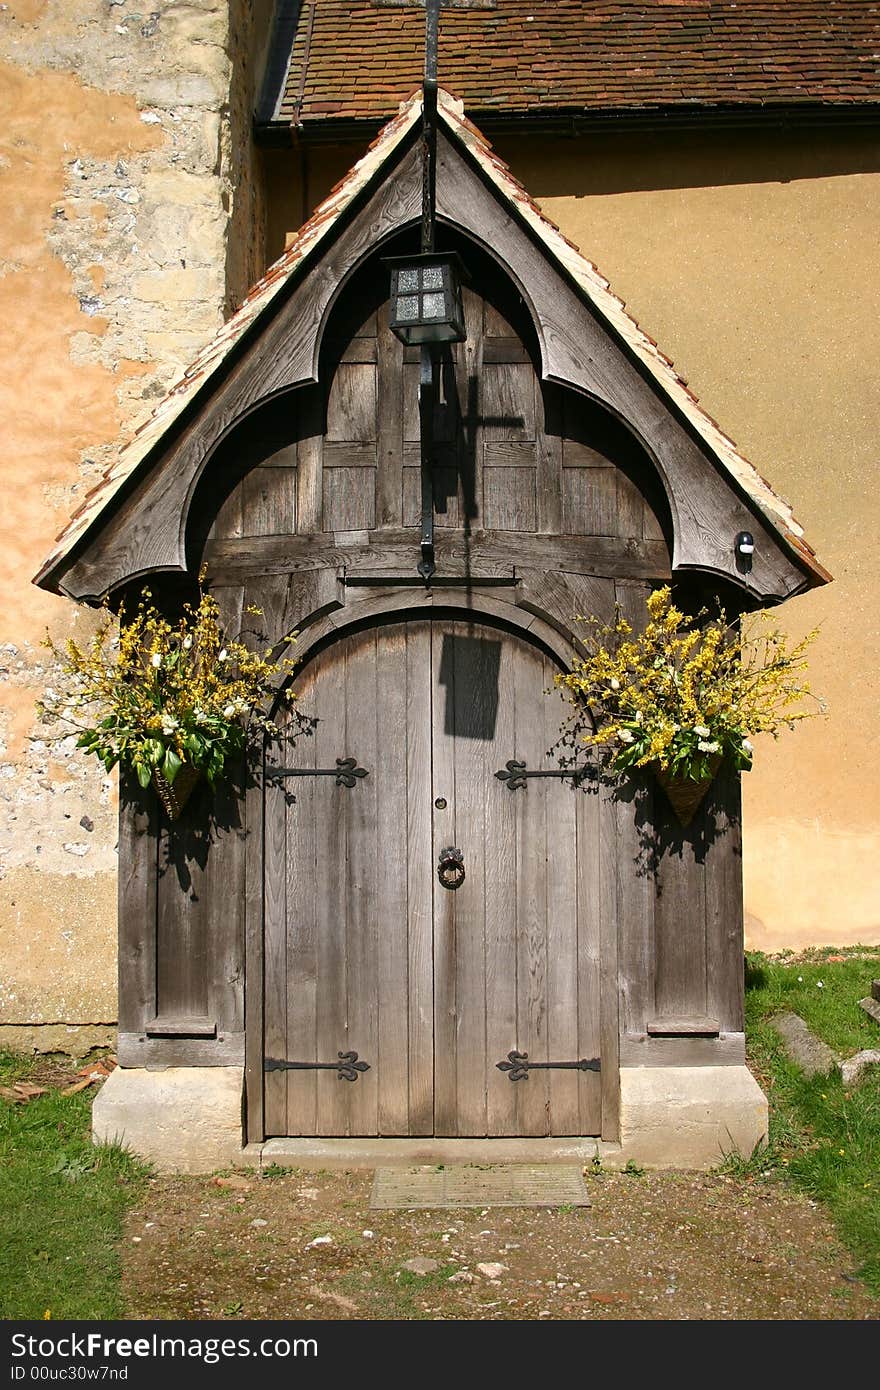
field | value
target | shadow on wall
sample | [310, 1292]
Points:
[583, 166]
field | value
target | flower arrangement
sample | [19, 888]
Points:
[171, 700]
[686, 692]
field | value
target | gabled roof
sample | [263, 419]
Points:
[353, 60]
[304, 250]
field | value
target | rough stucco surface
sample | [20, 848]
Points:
[124, 160]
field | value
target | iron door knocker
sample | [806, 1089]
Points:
[450, 868]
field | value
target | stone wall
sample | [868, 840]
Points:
[132, 223]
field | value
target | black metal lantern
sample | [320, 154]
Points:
[426, 298]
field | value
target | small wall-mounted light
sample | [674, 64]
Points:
[426, 299]
[745, 543]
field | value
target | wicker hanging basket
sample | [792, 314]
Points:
[685, 796]
[174, 795]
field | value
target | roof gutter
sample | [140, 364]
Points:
[569, 123]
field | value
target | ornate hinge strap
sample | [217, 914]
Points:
[347, 1068]
[346, 772]
[518, 1066]
[515, 774]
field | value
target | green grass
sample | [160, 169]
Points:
[63, 1202]
[824, 1138]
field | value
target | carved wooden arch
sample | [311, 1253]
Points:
[146, 531]
[321, 628]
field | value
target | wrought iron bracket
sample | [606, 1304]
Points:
[515, 774]
[347, 1068]
[518, 1066]
[346, 772]
[427, 564]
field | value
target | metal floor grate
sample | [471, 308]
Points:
[476, 1185]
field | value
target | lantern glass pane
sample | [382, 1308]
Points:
[432, 277]
[434, 306]
[407, 308]
[407, 280]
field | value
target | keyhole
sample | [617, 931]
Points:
[440, 803]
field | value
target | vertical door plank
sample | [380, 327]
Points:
[724, 901]
[680, 922]
[533, 1095]
[349, 499]
[302, 850]
[225, 866]
[275, 965]
[332, 895]
[138, 846]
[390, 794]
[446, 832]
[390, 424]
[420, 881]
[635, 868]
[508, 406]
[597, 899]
[473, 690]
[309, 457]
[254, 958]
[549, 458]
[501, 823]
[363, 713]
[351, 403]
[181, 934]
[564, 966]
[509, 499]
[269, 502]
[605, 860]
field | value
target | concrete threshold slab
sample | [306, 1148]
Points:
[479, 1185]
[383, 1153]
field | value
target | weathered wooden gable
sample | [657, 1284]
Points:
[579, 340]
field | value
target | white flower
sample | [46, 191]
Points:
[820, 984]
[707, 745]
[223, 655]
[229, 711]
[615, 683]
[155, 659]
[800, 979]
[638, 716]
[701, 731]
[625, 735]
[187, 643]
[747, 745]
[169, 723]
[198, 713]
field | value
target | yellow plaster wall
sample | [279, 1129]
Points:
[752, 258]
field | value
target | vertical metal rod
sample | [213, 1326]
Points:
[427, 375]
[429, 124]
[426, 425]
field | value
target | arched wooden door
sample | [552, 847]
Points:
[367, 952]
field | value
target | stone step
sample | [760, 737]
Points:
[871, 1006]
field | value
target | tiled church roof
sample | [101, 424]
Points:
[356, 59]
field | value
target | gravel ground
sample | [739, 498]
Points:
[655, 1246]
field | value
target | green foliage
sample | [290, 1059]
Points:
[685, 692]
[63, 1202]
[156, 695]
[824, 1138]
